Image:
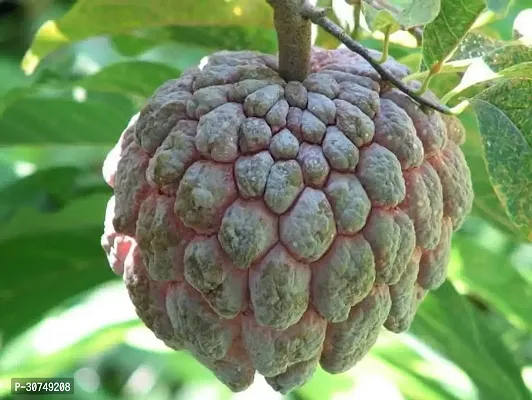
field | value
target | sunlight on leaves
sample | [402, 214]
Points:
[104, 17]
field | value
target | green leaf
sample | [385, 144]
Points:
[184, 365]
[232, 37]
[505, 129]
[139, 78]
[323, 386]
[490, 273]
[90, 56]
[77, 61]
[509, 162]
[475, 44]
[41, 271]
[8, 173]
[183, 46]
[508, 56]
[443, 82]
[45, 179]
[442, 36]
[505, 62]
[448, 70]
[143, 344]
[49, 116]
[106, 17]
[172, 368]
[448, 323]
[512, 96]
[89, 157]
[39, 351]
[411, 60]
[10, 75]
[417, 376]
[136, 43]
[380, 20]
[479, 72]
[46, 190]
[20, 359]
[175, 55]
[57, 362]
[86, 212]
[486, 204]
[419, 12]
[498, 6]
[116, 339]
[411, 13]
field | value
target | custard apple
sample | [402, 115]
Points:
[272, 226]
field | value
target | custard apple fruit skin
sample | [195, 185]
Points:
[271, 226]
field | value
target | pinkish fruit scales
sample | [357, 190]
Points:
[270, 226]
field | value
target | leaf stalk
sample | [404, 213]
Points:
[386, 45]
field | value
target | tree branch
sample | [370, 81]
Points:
[294, 38]
[317, 16]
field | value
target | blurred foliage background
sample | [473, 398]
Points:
[63, 313]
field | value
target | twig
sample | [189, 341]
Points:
[317, 16]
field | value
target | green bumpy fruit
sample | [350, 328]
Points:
[269, 226]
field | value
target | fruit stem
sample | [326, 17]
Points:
[294, 38]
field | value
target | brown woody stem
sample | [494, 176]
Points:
[294, 38]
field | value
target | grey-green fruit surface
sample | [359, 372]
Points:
[270, 226]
